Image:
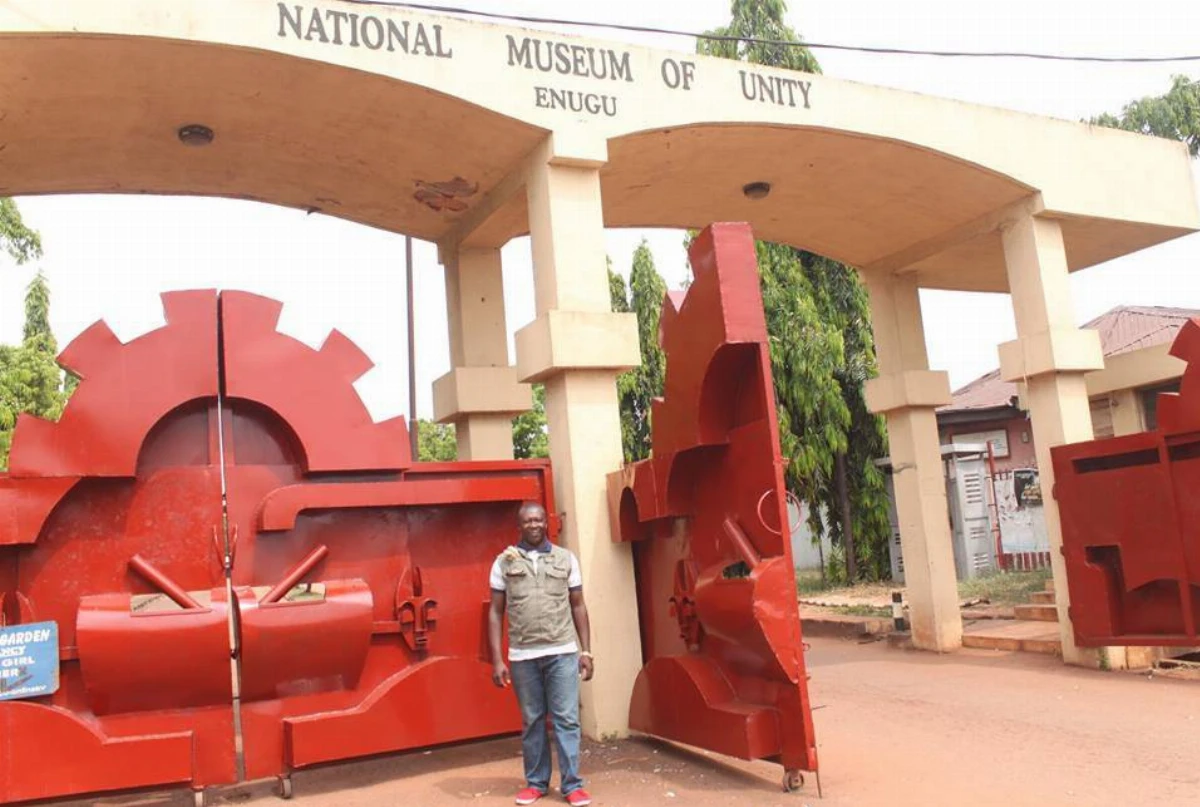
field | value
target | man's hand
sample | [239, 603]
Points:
[500, 676]
[586, 667]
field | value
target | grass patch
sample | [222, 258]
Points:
[863, 610]
[1004, 588]
[810, 582]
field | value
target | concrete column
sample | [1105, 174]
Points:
[1051, 355]
[908, 393]
[1127, 415]
[481, 394]
[577, 347]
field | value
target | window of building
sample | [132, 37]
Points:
[1150, 402]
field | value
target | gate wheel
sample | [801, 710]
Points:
[198, 799]
[793, 780]
[285, 787]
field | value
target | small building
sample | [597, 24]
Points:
[1124, 400]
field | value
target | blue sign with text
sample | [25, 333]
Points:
[28, 661]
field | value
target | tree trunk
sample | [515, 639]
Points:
[843, 494]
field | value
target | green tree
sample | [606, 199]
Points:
[31, 381]
[821, 345]
[641, 385]
[436, 442]
[1175, 115]
[18, 240]
[530, 439]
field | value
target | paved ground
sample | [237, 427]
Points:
[895, 728]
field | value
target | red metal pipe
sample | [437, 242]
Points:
[741, 542]
[293, 577]
[165, 584]
[414, 426]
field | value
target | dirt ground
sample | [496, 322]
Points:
[893, 728]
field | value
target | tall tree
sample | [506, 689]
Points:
[31, 381]
[822, 349]
[530, 439]
[1175, 115]
[641, 385]
[19, 241]
[435, 442]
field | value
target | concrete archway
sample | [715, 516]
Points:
[468, 135]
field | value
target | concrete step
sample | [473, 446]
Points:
[1042, 597]
[1015, 635]
[1036, 612]
[842, 626]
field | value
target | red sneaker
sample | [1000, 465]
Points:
[578, 798]
[529, 795]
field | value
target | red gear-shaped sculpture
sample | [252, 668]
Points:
[120, 522]
[312, 391]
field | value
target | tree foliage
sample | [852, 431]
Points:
[19, 241]
[822, 350]
[436, 442]
[1175, 115]
[759, 20]
[530, 439]
[31, 381]
[641, 385]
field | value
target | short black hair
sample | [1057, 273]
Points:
[526, 506]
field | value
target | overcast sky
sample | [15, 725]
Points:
[109, 257]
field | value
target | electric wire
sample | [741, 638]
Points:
[879, 50]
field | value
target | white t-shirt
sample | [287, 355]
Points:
[574, 581]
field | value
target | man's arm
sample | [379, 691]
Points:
[495, 614]
[583, 629]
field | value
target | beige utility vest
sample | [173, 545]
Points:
[538, 603]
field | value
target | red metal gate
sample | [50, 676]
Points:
[216, 465]
[724, 667]
[1131, 523]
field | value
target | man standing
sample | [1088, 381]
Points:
[537, 585]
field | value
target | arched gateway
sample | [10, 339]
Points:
[470, 134]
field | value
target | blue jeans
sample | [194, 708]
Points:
[549, 686]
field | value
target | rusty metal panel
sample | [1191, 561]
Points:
[352, 581]
[707, 516]
[1131, 523]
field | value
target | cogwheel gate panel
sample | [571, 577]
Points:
[230, 547]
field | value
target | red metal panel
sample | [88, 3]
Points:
[359, 580]
[118, 499]
[707, 515]
[312, 391]
[1131, 523]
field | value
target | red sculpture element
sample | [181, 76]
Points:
[416, 612]
[352, 579]
[335, 430]
[86, 441]
[1131, 523]
[716, 587]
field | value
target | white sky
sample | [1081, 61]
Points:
[109, 257]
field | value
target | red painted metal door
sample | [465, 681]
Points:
[1131, 523]
[220, 531]
[707, 516]
[116, 539]
[361, 579]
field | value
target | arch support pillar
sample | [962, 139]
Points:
[577, 347]
[1051, 356]
[907, 393]
[481, 394]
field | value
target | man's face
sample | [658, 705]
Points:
[532, 522]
